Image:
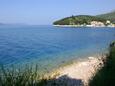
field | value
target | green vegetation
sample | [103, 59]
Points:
[86, 19]
[106, 75]
[20, 77]
[78, 20]
[109, 16]
[27, 76]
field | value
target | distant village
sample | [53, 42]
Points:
[101, 24]
[92, 24]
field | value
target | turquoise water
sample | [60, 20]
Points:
[49, 46]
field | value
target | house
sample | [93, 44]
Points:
[108, 22]
[97, 24]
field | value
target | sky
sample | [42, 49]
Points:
[44, 12]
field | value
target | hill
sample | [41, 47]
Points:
[86, 19]
[78, 20]
[1, 24]
[109, 16]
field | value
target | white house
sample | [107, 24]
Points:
[97, 24]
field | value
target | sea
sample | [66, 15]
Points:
[51, 47]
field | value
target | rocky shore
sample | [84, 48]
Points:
[79, 73]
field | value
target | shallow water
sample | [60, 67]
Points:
[49, 46]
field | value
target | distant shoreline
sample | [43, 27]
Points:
[81, 26]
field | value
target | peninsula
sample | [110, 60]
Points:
[103, 20]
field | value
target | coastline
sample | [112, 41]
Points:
[81, 26]
[82, 70]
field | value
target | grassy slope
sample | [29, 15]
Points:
[106, 76]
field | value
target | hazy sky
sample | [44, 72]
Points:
[46, 11]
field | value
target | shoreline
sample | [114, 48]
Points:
[82, 70]
[82, 26]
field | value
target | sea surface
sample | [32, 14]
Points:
[49, 46]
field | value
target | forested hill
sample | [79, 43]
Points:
[109, 16]
[85, 19]
[80, 19]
